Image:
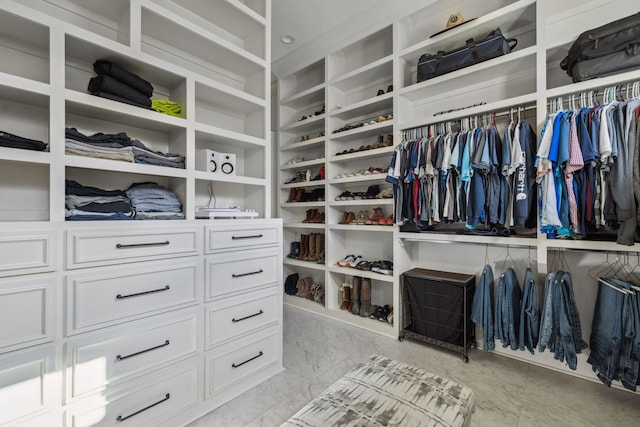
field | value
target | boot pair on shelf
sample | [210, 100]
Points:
[356, 297]
[314, 216]
[309, 248]
[307, 288]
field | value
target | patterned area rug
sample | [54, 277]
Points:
[385, 392]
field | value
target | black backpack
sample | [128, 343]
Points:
[609, 49]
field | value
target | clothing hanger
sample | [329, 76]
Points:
[506, 259]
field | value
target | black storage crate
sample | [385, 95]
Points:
[438, 308]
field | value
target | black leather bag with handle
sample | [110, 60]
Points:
[473, 52]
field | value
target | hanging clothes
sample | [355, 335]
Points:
[530, 314]
[508, 308]
[482, 308]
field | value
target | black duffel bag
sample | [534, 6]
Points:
[473, 52]
[609, 49]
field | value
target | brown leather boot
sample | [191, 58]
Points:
[304, 246]
[346, 298]
[313, 255]
[319, 245]
[355, 295]
[310, 214]
[300, 286]
[366, 308]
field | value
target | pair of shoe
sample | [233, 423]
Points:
[382, 313]
[389, 89]
[347, 217]
[387, 193]
[361, 297]
[382, 267]
[300, 177]
[314, 216]
[345, 195]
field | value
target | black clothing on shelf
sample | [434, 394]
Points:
[107, 84]
[14, 141]
[105, 67]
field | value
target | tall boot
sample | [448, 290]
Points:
[366, 308]
[319, 245]
[304, 246]
[346, 297]
[312, 255]
[355, 295]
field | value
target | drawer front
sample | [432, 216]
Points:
[28, 252]
[144, 406]
[241, 236]
[26, 305]
[127, 352]
[227, 275]
[232, 364]
[104, 247]
[108, 296]
[233, 317]
[25, 388]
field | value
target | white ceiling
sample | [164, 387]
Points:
[306, 20]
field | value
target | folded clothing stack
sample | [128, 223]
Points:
[14, 141]
[118, 84]
[91, 203]
[118, 147]
[152, 201]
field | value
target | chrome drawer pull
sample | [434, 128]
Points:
[166, 343]
[166, 288]
[233, 365]
[120, 418]
[247, 274]
[234, 320]
[257, 236]
[141, 245]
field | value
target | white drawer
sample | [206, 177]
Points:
[26, 311]
[239, 360]
[27, 252]
[90, 248]
[127, 351]
[144, 403]
[232, 317]
[105, 296]
[235, 272]
[241, 235]
[26, 384]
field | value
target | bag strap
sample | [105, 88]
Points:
[514, 41]
[471, 44]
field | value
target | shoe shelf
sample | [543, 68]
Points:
[360, 56]
[304, 264]
[304, 225]
[349, 227]
[311, 96]
[308, 79]
[302, 204]
[373, 325]
[374, 72]
[384, 152]
[305, 304]
[313, 122]
[309, 143]
[366, 107]
[349, 271]
[362, 202]
[363, 131]
[513, 19]
[302, 165]
[359, 178]
[303, 184]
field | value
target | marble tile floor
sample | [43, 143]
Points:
[318, 351]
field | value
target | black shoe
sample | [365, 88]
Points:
[294, 252]
[390, 88]
[380, 92]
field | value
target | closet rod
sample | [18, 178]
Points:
[512, 110]
[497, 245]
[592, 250]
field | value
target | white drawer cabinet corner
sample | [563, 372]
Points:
[27, 252]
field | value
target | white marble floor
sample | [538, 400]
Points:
[318, 351]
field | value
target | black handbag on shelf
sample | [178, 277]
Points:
[609, 49]
[473, 52]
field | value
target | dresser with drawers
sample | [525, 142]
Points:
[137, 323]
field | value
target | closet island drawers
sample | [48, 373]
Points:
[100, 359]
[231, 272]
[151, 400]
[90, 248]
[241, 236]
[27, 252]
[26, 311]
[101, 297]
[232, 317]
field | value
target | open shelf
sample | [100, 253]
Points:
[309, 143]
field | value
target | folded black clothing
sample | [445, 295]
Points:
[14, 141]
[107, 84]
[105, 67]
[75, 188]
[106, 207]
[120, 99]
[114, 140]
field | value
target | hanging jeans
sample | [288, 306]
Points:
[482, 308]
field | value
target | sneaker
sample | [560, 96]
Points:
[355, 261]
[344, 261]
[382, 267]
